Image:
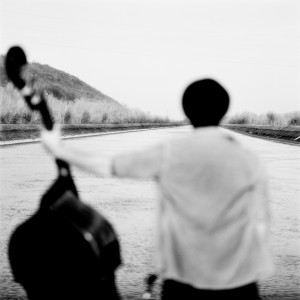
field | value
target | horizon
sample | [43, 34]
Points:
[144, 53]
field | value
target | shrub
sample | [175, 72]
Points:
[104, 118]
[86, 117]
[60, 93]
[294, 121]
[6, 117]
[271, 117]
[239, 119]
[27, 117]
[16, 118]
[69, 96]
[55, 92]
[68, 117]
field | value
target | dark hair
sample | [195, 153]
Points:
[205, 102]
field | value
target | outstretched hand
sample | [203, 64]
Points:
[51, 139]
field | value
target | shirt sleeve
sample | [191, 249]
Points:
[142, 164]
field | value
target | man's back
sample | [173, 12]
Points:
[213, 211]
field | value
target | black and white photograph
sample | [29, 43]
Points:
[149, 149]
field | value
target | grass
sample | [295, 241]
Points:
[13, 110]
[270, 118]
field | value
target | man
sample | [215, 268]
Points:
[213, 210]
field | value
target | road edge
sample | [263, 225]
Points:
[280, 134]
[72, 131]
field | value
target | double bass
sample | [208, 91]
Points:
[66, 249]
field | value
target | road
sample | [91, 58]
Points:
[26, 172]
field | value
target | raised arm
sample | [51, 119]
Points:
[85, 160]
[141, 164]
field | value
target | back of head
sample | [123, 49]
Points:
[205, 102]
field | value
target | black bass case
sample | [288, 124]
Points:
[66, 250]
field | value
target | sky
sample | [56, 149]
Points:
[143, 53]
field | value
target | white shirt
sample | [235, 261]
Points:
[212, 208]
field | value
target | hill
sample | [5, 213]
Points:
[61, 85]
[70, 100]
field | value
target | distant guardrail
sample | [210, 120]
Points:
[10, 132]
